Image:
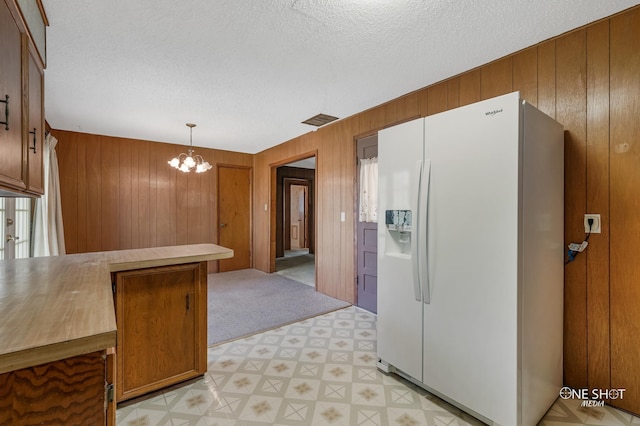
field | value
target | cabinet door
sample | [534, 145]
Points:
[35, 139]
[12, 156]
[158, 312]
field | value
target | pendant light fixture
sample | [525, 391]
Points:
[186, 162]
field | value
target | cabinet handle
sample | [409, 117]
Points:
[6, 112]
[34, 140]
[188, 304]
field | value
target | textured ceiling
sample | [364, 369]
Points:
[249, 71]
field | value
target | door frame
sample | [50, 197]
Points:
[217, 218]
[273, 181]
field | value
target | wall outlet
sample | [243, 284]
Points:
[595, 228]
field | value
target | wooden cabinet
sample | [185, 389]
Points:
[35, 128]
[161, 314]
[12, 153]
[21, 105]
[72, 391]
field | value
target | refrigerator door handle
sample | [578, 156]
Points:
[423, 210]
[415, 242]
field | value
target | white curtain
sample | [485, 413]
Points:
[48, 232]
[369, 190]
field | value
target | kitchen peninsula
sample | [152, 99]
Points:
[62, 317]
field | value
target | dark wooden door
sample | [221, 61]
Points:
[367, 240]
[234, 216]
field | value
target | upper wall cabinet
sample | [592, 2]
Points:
[33, 14]
[12, 153]
[21, 104]
[35, 135]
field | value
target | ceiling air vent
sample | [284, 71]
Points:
[320, 120]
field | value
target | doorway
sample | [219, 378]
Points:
[294, 220]
[15, 216]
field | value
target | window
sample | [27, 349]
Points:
[15, 217]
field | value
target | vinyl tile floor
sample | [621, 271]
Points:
[321, 371]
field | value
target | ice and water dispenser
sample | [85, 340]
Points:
[398, 236]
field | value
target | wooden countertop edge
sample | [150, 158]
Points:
[152, 263]
[57, 351]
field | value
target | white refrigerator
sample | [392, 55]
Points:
[470, 257]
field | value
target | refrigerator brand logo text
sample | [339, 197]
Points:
[494, 112]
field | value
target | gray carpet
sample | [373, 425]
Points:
[249, 301]
[298, 267]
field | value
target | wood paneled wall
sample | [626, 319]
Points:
[589, 81]
[120, 193]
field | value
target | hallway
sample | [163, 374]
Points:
[298, 265]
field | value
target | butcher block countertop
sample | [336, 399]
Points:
[57, 307]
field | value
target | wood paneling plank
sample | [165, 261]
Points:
[67, 150]
[81, 221]
[547, 78]
[453, 93]
[374, 118]
[401, 110]
[144, 195]
[437, 98]
[135, 193]
[525, 75]
[93, 208]
[496, 78]
[166, 196]
[598, 202]
[153, 197]
[571, 112]
[125, 202]
[469, 87]
[110, 192]
[624, 207]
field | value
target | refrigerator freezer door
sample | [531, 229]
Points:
[471, 324]
[399, 313]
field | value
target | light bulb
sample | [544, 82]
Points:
[189, 162]
[175, 162]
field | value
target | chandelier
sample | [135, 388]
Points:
[186, 162]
